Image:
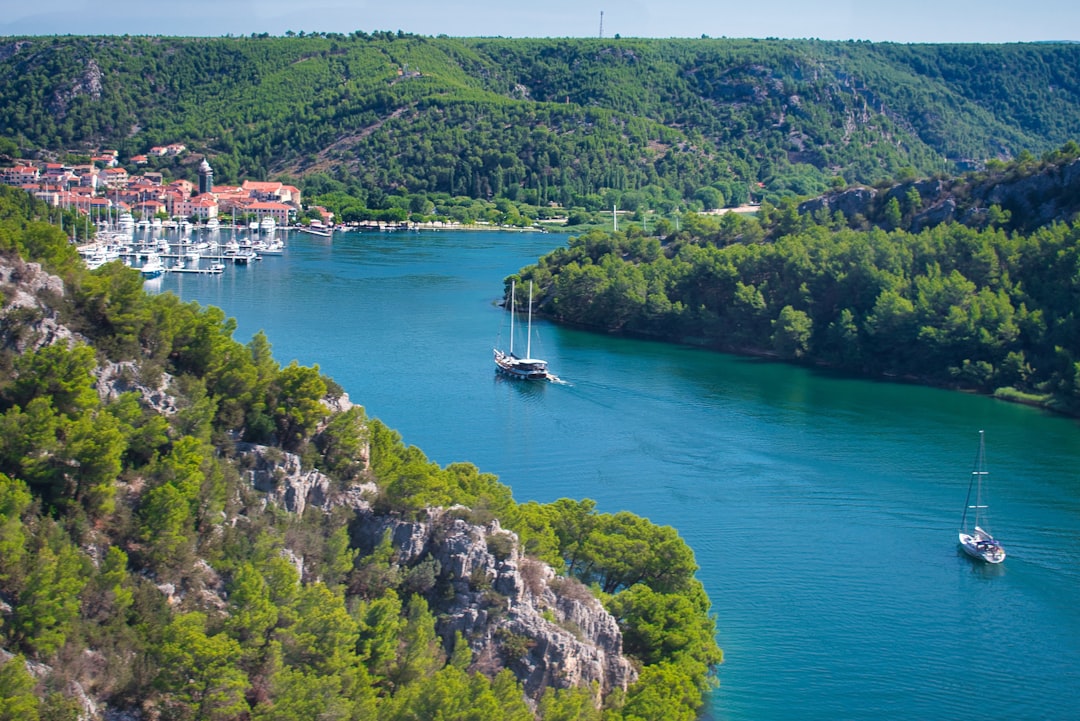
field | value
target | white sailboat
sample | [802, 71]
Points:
[527, 368]
[978, 542]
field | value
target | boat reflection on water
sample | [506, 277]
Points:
[529, 391]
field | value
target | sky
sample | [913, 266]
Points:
[912, 21]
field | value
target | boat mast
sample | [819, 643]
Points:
[528, 337]
[511, 317]
[976, 481]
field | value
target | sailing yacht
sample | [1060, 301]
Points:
[978, 542]
[527, 368]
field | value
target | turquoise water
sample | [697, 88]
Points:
[822, 510]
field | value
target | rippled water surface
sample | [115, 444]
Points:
[822, 510]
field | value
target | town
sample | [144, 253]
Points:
[104, 191]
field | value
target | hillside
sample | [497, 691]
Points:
[583, 122]
[961, 282]
[190, 531]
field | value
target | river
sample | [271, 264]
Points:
[822, 510]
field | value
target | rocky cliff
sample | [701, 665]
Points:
[513, 611]
[1036, 198]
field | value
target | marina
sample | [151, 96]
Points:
[170, 247]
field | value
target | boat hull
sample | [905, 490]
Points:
[521, 369]
[982, 546]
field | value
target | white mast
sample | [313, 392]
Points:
[511, 317]
[528, 339]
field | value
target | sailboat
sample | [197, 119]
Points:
[527, 368]
[978, 542]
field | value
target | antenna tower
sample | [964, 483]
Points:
[601, 24]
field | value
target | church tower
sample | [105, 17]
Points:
[206, 178]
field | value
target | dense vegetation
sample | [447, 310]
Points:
[971, 307]
[583, 123]
[136, 561]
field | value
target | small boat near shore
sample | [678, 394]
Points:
[527, 368]
[978, 542]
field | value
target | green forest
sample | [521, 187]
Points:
[580, 123]
[139, 567]
[976, 307]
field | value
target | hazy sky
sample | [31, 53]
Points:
[992, 21]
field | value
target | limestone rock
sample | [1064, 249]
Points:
[28, 321]
[850, 202]
[114, 379]
[513, 611]
[282, 477]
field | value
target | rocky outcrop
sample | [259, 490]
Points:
[943, 212]
[850, 202]
[1040, 198]
[1037, 198]
[513, 611]
[28, 320]
[114, 379]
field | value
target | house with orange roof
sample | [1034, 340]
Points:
[326, 215]
[114, 177]
[290, 194]
[259, 190]
[150, 208]
[203, 207]
[278, 211]
[19, 175]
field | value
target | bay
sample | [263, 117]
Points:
[822, 510]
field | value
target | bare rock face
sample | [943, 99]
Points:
[27, 321]
[850, 202]
[114, 379]
[282, 477]
[937, 214]
[513, 611]
[1040, 198]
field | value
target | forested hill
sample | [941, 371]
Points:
[577, 122]
[895, 289]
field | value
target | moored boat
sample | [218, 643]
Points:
[153, 267]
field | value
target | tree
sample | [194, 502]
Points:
[892, 214]
[17, 699]
[14, 500]
[662, 692]
[298, 408]
[49, 601]
[791, 333]
[61, 375]
[419, 651]
[200, 673]
[252, 613]
[166, 528]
